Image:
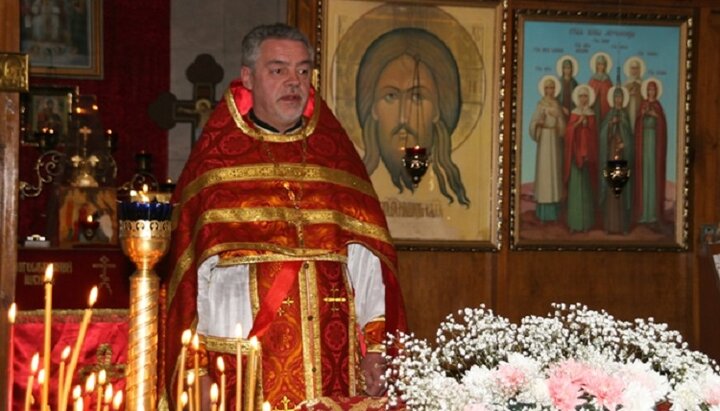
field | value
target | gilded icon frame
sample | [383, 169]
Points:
[658, 44]
[423, 218]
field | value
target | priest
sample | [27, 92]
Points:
[278, 233]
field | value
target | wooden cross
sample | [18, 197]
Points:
[104, 277]
[204, 73]
[334, 299]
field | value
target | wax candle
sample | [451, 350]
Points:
[251, 372]
[34, 363]
[107, 397]
[12, 313]
[186, 336]
[238, 367]
[46, 340]
[117, 400]
[101, 380]
[221, 368]
[196, 349]
[214, 397]
[92, 298]
[61, 376]
[190, 383]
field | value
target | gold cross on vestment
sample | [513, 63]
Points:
[285, 402]
[285, 304]
[334, 299]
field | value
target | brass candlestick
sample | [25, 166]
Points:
[145, 242]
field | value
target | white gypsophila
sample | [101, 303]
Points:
[686, 396]
[478, 384]
[481, 359]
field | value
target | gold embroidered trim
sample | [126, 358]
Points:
[182, 265]
[314, 306]
[74, 315]
[224, 345]
[274, 138]
[258, 214]
[308, 304]
[352, 336]
[254, 293]
[254, 259]
[280, 171]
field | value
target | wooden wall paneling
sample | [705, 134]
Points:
[706, 177]
[9, 151]
[435, 284]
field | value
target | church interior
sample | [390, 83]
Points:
[163, 64]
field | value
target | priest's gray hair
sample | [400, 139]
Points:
[278, 31]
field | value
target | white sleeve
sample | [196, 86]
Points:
[365, 274]
[223, 299]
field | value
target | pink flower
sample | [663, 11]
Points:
[564, 393]
[575, 371]
[474, 407]
[510, 377]
[712, 395]
[606, 389]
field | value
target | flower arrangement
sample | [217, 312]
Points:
[573, 359]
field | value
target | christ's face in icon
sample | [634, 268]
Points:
[405, 108]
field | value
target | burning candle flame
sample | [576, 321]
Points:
[90, 383]
[117, 400]
[107, 398]
[12, 313]
[49, 273]
[214, 393]
[92, 299]
[35, 362]
[220, 364]
[186, 336]
[65, 353]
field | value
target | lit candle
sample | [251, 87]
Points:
[41, 380]
[186, 336]
[221, 368]
[107, 397]
[77, 397]
[46, 341]
[61, 376]
[238, 367]
[12, 313]
[90, 383]
[101, 380]
[183, 399]
[34, 363]
[78, 345]
[196, 348]
[266, 406]
[190, 383]
[214, 397]
[117, 400]
[251, 368]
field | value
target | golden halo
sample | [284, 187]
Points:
[576, 94]
[594, 58]
[643, 87]
[558, 65]
[626, 66]
[339, 83]
[625, 93]
[541, 87]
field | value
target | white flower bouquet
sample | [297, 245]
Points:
[572, 359]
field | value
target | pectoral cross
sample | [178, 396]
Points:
[334, 299]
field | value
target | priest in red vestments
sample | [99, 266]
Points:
[278, 230]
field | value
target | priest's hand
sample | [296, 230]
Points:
[373, 368]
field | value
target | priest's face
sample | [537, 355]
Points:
[280, 82]
[405, 108]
